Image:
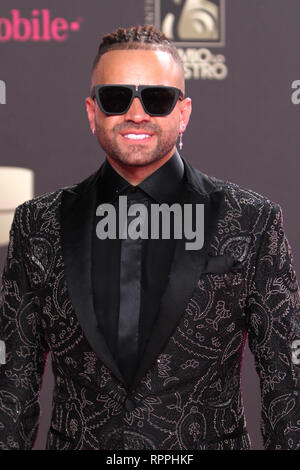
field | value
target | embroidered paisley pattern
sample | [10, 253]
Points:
[190, 398]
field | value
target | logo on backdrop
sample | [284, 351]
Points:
[39, 27]
[295, 97]
[194, 26]
[2, 92]
[16, 186]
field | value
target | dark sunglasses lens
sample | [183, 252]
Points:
[158, 101]
[114, 99]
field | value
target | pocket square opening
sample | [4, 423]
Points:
[221, 264]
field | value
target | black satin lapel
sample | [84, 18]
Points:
[77, 214]
[185, 272]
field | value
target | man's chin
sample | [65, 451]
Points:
[136, 160]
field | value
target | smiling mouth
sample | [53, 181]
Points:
[137, 137]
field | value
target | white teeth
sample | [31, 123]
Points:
[137, 136]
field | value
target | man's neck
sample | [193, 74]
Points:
[136, 174]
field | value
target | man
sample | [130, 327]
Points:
[147, 336]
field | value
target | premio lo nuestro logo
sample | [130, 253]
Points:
[40, 26]
[194, 26]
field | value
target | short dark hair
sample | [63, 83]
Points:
[136, 37]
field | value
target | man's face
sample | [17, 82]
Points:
[114, 133]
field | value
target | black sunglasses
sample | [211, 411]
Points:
[156, 100]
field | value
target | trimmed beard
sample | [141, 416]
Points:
[165, 143]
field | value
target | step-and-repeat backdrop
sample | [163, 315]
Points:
[241, 61]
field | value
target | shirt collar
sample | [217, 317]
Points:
[164, 185]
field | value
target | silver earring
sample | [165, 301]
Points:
[93, 130]
[180, 141]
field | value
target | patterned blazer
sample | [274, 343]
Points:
[186, 393]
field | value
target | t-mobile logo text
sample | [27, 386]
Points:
[40, 27]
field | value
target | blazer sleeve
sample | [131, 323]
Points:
[273, 315]
[23, 350]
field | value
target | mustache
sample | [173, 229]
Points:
[143, 126]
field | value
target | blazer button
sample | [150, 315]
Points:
[129, 405]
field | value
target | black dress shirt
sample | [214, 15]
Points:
[165, 185]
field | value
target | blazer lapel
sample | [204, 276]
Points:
[186, 269]
[77, 213]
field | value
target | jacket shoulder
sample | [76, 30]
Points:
[235, 194]
[246, 197]
[43, 202]
[50, 200]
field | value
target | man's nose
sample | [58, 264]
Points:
[136, 112]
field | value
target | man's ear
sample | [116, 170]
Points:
[90, 109]
[185, 113]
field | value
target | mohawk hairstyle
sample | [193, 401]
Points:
[136, 37]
